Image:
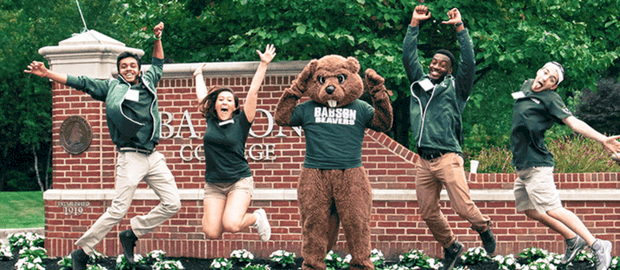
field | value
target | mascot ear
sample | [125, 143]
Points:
[353, 65]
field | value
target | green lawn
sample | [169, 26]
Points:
[23, 209]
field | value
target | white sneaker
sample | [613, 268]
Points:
[602, 254]
[262, 225]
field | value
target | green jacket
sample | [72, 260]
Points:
[124, 130]
[436, 118]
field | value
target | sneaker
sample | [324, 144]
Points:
[488, 241]
[262, 225]
[451, 254]
[573, 246]
[79, 258]
[602, 254]
[128, 241]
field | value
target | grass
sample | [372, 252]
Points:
[24, 209]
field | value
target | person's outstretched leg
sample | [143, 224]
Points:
[130, 170]
[574, 242]
[452, 174]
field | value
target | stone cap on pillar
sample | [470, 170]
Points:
[89, 54]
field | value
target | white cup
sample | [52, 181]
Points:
[474, 166]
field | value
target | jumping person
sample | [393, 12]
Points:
[536, 109]
[229, 181]
[437, 102]
[132, 115]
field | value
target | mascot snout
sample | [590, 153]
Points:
[330, 89]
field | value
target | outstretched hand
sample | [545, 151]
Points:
[37, 68]
[199, 70]
[612, 145]
[270, 53]
[454, 17]
[419, 14]
[158, 29]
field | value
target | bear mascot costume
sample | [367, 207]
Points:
[333, 187]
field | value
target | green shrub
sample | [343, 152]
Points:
[282, 258]
[615, 263]
[576, 154]
[475, 255]
[572, 154]
[494, 160]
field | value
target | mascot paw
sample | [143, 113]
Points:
[373, 79]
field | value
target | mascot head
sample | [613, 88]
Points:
[334, 81]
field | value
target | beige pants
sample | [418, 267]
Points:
[447, 171]
[132, 168]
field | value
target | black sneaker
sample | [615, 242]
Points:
[128, 241]
[451, 254]
[79, 258]
[488, 241]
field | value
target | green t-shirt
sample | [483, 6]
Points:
[334, 136]
[224, 148]
[533, 114]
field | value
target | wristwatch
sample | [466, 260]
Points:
[458, 24]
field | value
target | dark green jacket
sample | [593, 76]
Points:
[437, 123]
[124, 130]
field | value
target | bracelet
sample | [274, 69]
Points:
[157, 38]
[458, 24]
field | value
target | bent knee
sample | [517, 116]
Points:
[212, 233]
[232, 227]
[172, 208]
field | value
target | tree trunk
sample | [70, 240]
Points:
[36, 167]
[49, 160]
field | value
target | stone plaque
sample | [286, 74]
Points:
[75, 134]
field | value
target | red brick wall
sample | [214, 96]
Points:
[396, 224]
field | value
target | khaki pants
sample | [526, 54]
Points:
[132, 168]
[447, 171]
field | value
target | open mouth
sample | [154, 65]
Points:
[332, 103]
[538, 85]
[129, 76]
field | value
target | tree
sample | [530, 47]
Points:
[25, 126]
[600, 109]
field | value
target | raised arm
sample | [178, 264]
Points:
[467, 62]
[39, 69]
[454, 18]
[158, 49]
[249, 105]
[610, 143]
[201, 88]
[411, 61]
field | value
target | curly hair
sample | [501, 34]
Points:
[207, 104]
